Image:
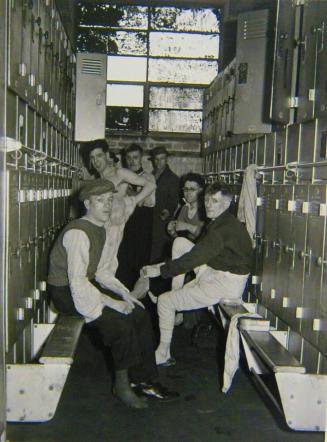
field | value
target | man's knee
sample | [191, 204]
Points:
[181, 246]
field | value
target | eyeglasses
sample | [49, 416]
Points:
[189, 189]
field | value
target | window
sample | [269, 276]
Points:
[160, 59]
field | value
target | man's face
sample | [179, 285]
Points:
[99, 207]
[191, 191]
[160, 161]
[216, 204]
[100, 160]
[134, 160]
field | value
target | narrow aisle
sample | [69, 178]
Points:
[89, 413]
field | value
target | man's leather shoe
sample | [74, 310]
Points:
[156, 391]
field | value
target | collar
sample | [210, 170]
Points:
[92, 222]
[221, 219]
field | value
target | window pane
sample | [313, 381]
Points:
[129, 43]
[183, 45]
[182, 71]
[92, 40]
[175, 121]
[124, 95]
[122, 118]
[176, 19]
[176, 97]
[126, 68]
[129, 17]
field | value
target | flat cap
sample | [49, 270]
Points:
[95, 187]
[158, 150]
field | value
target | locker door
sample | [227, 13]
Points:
[308, 60]
[284, 220]
[321, 34]
[296, 252]
[283, 61]
[260, 234]
[270, 248]
[17, 71]
[314, 299]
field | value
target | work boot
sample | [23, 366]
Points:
[123, 391]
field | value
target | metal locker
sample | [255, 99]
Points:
[253, 151]
[260, 232]
[320, 171]
[30, 128]
[293, 143]
[282, 61]
[314, 298]
[251, 51]
[284, 305]
[21, 121]
[308, 60]
[90, 101]
[307, 141]
[47, 48]
[270, 246]
[245, 155]
[17, 70]
[32, 32]
[279, 156]
[238, 156]
[320, 87]
[297, 256]
[261, 148]
[11, 115]
[270, 149]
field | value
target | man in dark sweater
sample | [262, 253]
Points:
[221, 260]
[81, 283]
[167, 197]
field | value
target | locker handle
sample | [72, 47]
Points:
[289, 249]
[321, 33]
[320, 261]
[304, 254]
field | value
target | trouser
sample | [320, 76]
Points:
[208, 288]
[129, 337]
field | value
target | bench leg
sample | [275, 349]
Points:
[34, 390]
[304, 400]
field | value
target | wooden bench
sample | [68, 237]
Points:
[34, 389]
[302, 396]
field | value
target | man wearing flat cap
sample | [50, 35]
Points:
[81, 283]
[167, 197]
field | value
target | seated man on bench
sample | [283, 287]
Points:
[81, 283]
[221, 260]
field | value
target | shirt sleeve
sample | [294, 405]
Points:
[86, 297]
[206, 248]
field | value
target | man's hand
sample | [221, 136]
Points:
[131, 300]
[164, 215]
[151, 271]
[181, 226]
[123, 307]
[171, 228]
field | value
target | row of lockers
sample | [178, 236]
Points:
[41, 63]
[284, 150]
[39, 206]
[39, 134]
[291, 257]
[278, 75]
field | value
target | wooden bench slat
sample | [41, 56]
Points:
[232, 309]
[272, 352]
[62, 342]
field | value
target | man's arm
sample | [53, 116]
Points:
[203, 251]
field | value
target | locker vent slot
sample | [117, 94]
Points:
[92, 67]
[254, 29]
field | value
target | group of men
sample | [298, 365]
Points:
[83, 277]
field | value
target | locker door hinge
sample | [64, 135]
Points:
[293, 102]
[9, 145]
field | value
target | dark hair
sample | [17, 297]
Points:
[133, 148]
[219, 186]
[96, 144]
[194, 177]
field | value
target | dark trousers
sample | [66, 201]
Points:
[135, 248]
[129, 337]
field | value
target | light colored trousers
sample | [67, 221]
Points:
[208, 288]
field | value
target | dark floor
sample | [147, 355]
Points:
[88, 412]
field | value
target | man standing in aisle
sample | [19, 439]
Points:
[135, 248]
[221, 259]
[167, 198]
[81, 283]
